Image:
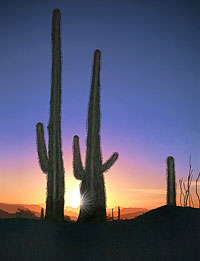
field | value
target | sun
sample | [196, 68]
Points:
[86, 201]
[74, 199]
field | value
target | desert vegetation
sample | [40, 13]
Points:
[92, 188]
[25, 213]
[42, 214]
[52, 164]
[152, 235]
[197, 189]
[171, 183]
[185, 189]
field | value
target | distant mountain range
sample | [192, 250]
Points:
[8, 210]
[36, 208]
[4, 214]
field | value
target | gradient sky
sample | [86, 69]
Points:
[150, 92]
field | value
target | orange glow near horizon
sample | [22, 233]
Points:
[26, 184]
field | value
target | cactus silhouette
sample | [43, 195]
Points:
[171, 182]
[52, 164]
[118, 213]
[112, 215]
[92, 189]
[42, 214]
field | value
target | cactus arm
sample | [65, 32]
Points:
[77, 162]
[108, 164]
[41, 148]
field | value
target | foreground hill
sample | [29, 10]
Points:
[165, 233]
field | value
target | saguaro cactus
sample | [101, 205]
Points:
[92, 189]
[42, 214]
[52, 164]
[171, 182]
[112, 214]
[118, 213]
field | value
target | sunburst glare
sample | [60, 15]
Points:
[87, 201]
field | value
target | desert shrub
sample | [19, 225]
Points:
[25, 213]
[67, 218]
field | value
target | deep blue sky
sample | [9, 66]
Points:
[150, 84]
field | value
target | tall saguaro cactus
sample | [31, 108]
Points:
[171, 182]
[92, 189]
[52, 164]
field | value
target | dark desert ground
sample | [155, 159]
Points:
[165, 233]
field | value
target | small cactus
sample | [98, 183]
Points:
[112, 214]
[42, 214]
[171, 182]
[118, 213]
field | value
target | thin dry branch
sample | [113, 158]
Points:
[181, 190]
[197, 190]
[186, 195]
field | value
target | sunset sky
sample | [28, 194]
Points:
[150, 93]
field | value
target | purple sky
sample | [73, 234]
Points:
[150, 84]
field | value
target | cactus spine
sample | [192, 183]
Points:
[171, 182]
[52, 164]
[92, 189]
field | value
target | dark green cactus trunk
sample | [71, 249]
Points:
[171, 182]
[93, 208]
[52, 164]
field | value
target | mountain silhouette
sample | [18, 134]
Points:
[13, 208]
[36, 208]
[4, 214]
[70, 211]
